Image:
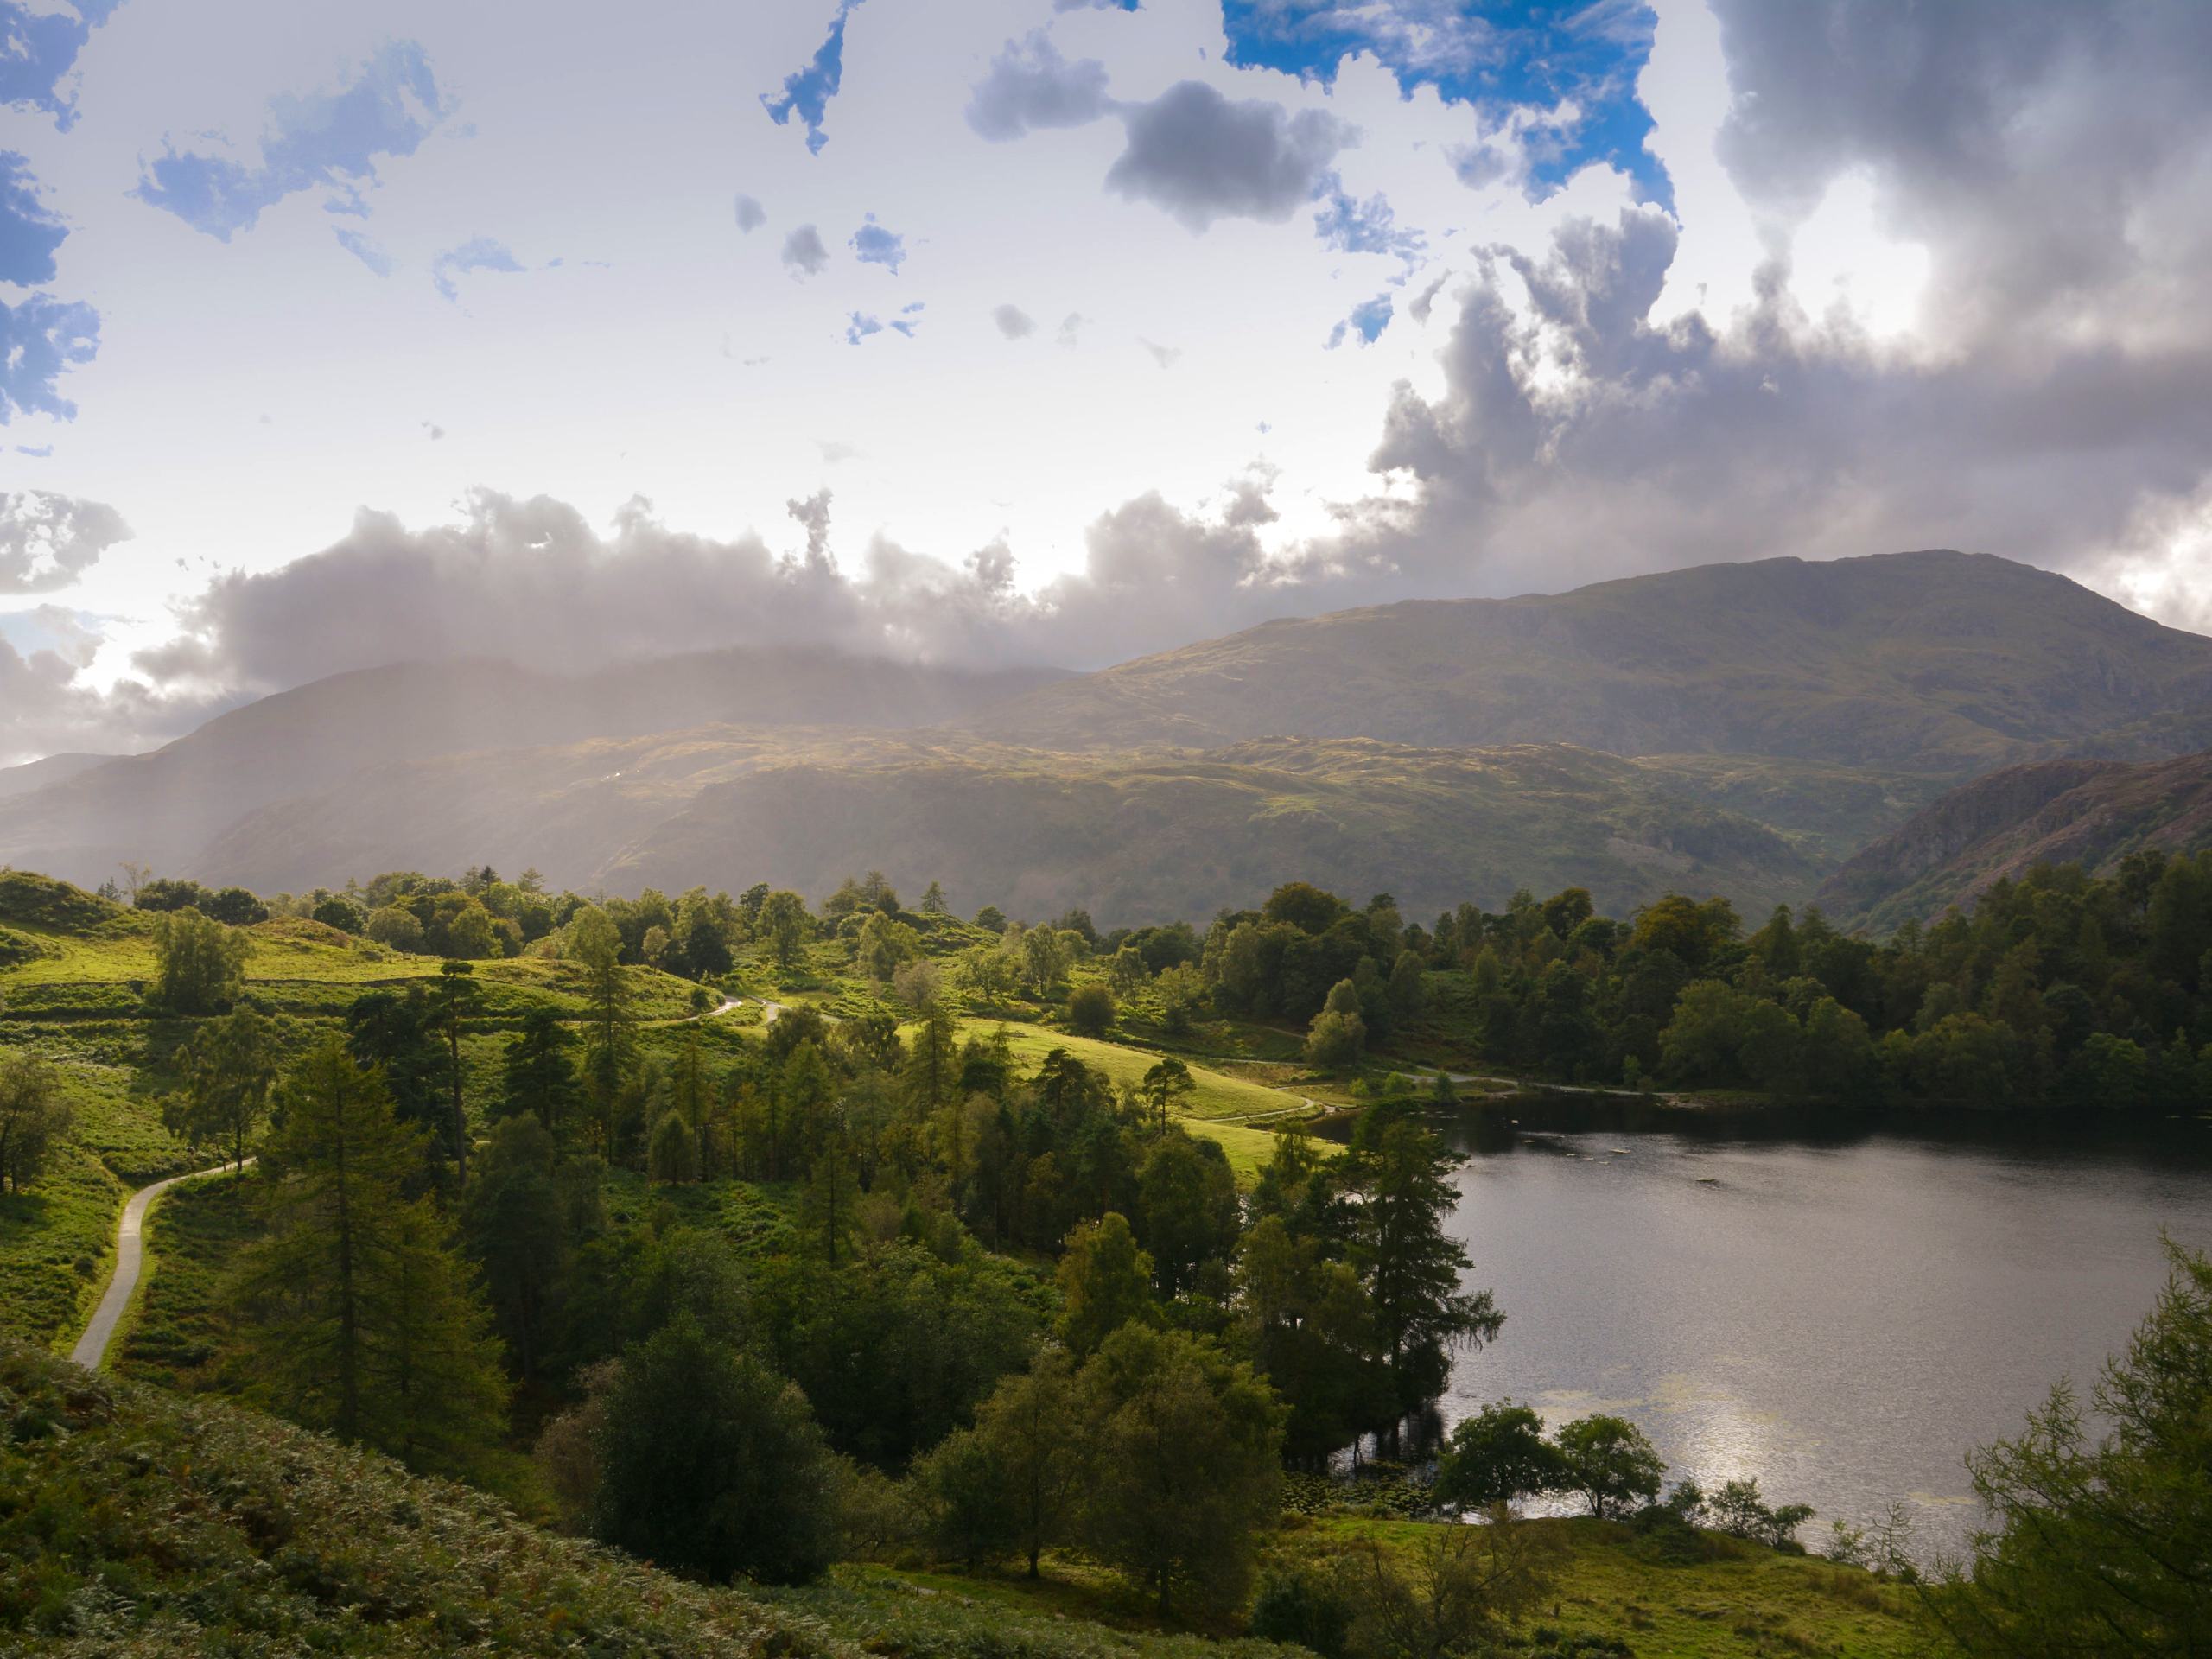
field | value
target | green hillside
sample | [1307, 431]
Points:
[2087, 812]
[1932, 662]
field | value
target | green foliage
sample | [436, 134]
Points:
[1106, 1282]
[711, 1465]
[1090, 1010]
[229, 1066]
[198, 963]
[34, 1118]
[1498, 1455]
[361, 1316]
[2097, 1535]
[1609, 1462]
[1184, 1454]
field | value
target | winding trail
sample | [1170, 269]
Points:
[130, 1256]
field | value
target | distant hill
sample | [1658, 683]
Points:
[39, 774]
[1131, 837]
[1794, 710]
[163, 807]
[1939, 663]
[2092, 812]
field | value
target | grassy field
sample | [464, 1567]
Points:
[1239, 1116]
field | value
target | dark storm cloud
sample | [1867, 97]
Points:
[1203, 156]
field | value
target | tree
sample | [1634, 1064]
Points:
[515, 1221]
[710, 1464]
[537, 1076]
[360, 1315]
[1015, 1481]
[1737, 1509]
[199, 964]
[933, 901]
[398, 1034]
[1045, 959]
[673, 1156]
[1090, 1011]
[1165, 1087]
[595, 942]
[1406, 989]
[1498, 1456]
[229, 1068]
[1105, 1283]
[1185, 1467]
[456, 996]
[1412, 1267]
[1456, 1591]
[33, 1117]
[784, 920]
[1186, 1202]
[342, 913]
[2098, 1538]
[1609, 1462]
[400, 929]
[1338, 1036]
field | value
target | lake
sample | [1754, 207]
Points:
[1842, 1314]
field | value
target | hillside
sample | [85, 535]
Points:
[1937, 662]
[2092, 812]
[1132, 838]
[161, 808]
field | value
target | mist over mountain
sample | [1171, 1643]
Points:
[1741, 729]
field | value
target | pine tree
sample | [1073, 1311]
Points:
[360, 1313]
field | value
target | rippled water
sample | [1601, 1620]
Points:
[1842, 1319]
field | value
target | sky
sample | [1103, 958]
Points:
[1053, 330]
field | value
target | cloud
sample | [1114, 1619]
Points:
[751, 215]
[47, 540]
[806, 93]
[1201, 157]
[1030, 85]
[803, 252]
[1368, 321]
[1165, 356]
[1014, 322]
[1071, 334]
[40, 337]
[872, 245]
[532, 581]
[38, 49]
[326, 140]
[1366, 226]
[365, 250]
[30, 231]
[478, 253]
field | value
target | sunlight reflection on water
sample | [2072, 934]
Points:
[1843, 1321]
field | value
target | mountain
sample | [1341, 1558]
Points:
[163, 807]
[1738, 728]
[41, 774]
[1132, 838]
[1946, 664]
[2092, 812]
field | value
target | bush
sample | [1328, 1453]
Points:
[1090, 1011]
[1307, 1605]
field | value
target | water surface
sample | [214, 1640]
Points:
[1842, 1317]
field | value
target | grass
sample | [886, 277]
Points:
[179, 1332]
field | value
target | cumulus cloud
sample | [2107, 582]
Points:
[38, 50]
[47, 540]
[40, 337]
[328, 140]
[1368, 226]
[751, 215]
[30, 231]
[804, 255]
[1030, 85]
[874, 245]
[1201, 155]
[1014, 322]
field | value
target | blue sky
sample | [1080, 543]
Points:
[1055, 329]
